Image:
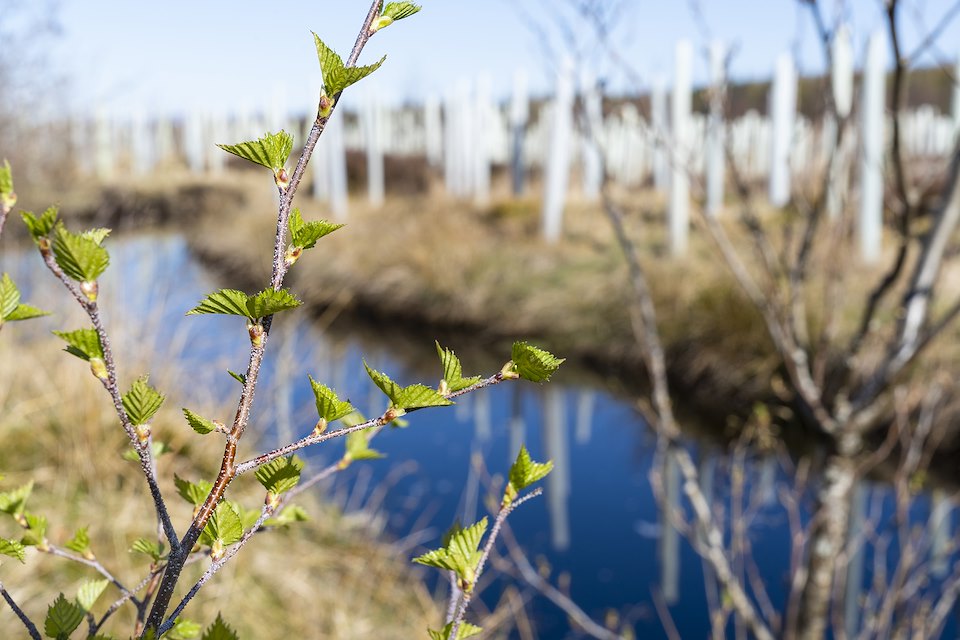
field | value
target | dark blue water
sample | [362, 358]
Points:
[597, 531]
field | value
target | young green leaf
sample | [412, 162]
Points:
[10, 307]
[270, 151]
[305, 234]
[280, 475]
[382, 380]
[80, 542]
[224, 526]
[183, 630]
[453, 372]
[198, 423]
[194, 493]
[151, 548]
[239, 377]
[329, 406]
[466, 630]
[89, 592]
[98, 235]
[15, 500]
[460, 555]
[337, 77]
[532, 363]
[40, 226]
[523, 473]
[83, 343]
[291, 514]
[219, 630]
[142, 401]
[7, 197]
[63, 617]
[358, 448]
[419, 396]
[392, 12]
[270, 301]
[35, 534]
[13, 549]
[24, 312]
[248, 517]
[236, 303]
[80, 257]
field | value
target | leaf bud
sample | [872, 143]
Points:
[292, 255]
[8, 200]
[443, 388]
[99, 368]
[256, 334]
[381, 22]
[320, 427]
[91, 289]
[217, 550]
[142, 431]
[271, 500]
[326, 105]
[508, 372]
[282, 178]
[509, 495]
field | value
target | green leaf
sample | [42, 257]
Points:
[329, 406]
[63, 617]
[89, 592]
[270, 151]
[358, 448]
[289, 515]
[382, 380]
[83, 343]
[15, 500]
[525, 471]
[248, 517]
[532, 363]
[97, 235]
[224, 525]
[392, 12]
[419, 396]
[270, 301]
[80, 542]
[305, 234]
[156, 448]
[40, 226]
[25, 312]
[13, 549]
[452, 371]
[194, 493]
[461, 554]
[80, 257]
[236, 303]
[353, 418]
[239, 377]
[7, 196]
[183, 630]
[280, 475]
[336, 77]
[9, 296]
[198, 423]
[36, 530]
[147, 547]
[142, 401]
[219, 631]
[466, 630]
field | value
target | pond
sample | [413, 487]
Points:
[598, 531]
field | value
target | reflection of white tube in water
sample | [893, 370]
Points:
[471, 492]
[767, 480]
[461, 410]
[941, 526]
[855, 567]
[558, 482]
[670, 537]
[585, 403]
[481, 417]
[517, 427]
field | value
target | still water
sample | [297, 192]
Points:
[597, 530]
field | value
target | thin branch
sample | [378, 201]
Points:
[94, 564]
[129, 596]
[31, 628]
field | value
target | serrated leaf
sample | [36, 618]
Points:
[270, 301]
[329, 406]
[224, 525]
[382, 380]
[525, 471]
[6, 181]
[392, 12]
[80, 542]
[270, 151]
[358, 447]
[13, 549]
[280, 475]
[81, 258]
[83, 343]
[63, 617]
[460, 554]
[89, 592]
[534, 364]
[15, 500]
[419, 396]
[336, 77]
[239, 377]
[9, 296]
[452, 371]
[25, 312]
[183, 630]
[228, 302]
[198, 423]
[157, 449]
[97, 235]
[305, 234]
[40, 226]
[36, 530]
[248, 517]
[151, 548]
[142, 401]
[289, 515]
[219, 630]
[466, 630]
[193, 492]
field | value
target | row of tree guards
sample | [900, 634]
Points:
[673, 149]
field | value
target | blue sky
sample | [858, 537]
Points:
[220, 55]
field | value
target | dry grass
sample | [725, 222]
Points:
[327, 577]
